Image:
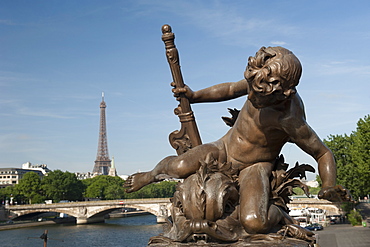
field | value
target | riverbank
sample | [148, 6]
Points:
[23, 225]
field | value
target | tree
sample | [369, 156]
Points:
[300, 192]
[30, 187]
[109, 188]
[354, 217]
[7, 192]
[315, 190]
[114, 191]
[104, 187]
[352, 155]
[163, 189]
[361, 156]
[96, 189]
[2, 195]
[58, 185]
[318, 179]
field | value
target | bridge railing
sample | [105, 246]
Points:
[122, 202]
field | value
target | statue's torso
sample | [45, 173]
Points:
[257, 135]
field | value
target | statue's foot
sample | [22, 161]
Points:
[136, 181]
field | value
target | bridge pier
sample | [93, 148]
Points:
[85, 220]
[162, 214]
[161, 219]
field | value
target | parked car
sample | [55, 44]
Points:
[314, 227]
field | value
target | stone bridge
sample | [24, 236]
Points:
[94, 211]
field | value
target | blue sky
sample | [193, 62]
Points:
[57, 57]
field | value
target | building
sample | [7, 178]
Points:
[11, 176]
[312, 183]
[43, 168]
[308, 215]
[112, 169]
[84, 175]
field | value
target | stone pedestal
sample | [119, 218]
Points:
[283, 242]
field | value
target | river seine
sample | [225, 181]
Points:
[129, 231]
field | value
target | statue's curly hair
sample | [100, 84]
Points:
[272, 59]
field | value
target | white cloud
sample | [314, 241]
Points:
[343, 68]
[225, 21]
[234, 27]
[281, 43]
[29, 112]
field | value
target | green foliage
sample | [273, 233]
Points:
[298, 191]
[315, 190]
[30, 187]
[104, 187]
[38, 198]
[352, 155]
[355, 217]
[58, 185]
[318, 179]
[163, 189]
[5, 193]
[2, 195]
[347, 207]
[109, 188]
[114, 191]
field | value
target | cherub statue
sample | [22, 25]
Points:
[272, 116]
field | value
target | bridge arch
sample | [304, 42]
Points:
[144, 208]
[107, 209]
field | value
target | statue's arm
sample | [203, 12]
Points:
[309, 142]
[305, 137]
[217, 93]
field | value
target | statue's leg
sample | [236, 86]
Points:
[257, 215]
[180, 166]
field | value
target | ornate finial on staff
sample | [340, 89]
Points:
[188, 136]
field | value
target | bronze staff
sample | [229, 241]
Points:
[188, 136]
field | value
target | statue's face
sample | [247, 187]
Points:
[287, 90]
[283, 91]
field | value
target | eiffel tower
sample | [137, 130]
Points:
[102, 162]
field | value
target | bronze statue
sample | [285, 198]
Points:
[239, 183]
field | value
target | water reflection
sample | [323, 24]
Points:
[130, 232]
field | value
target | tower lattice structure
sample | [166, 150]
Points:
[102, 162]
